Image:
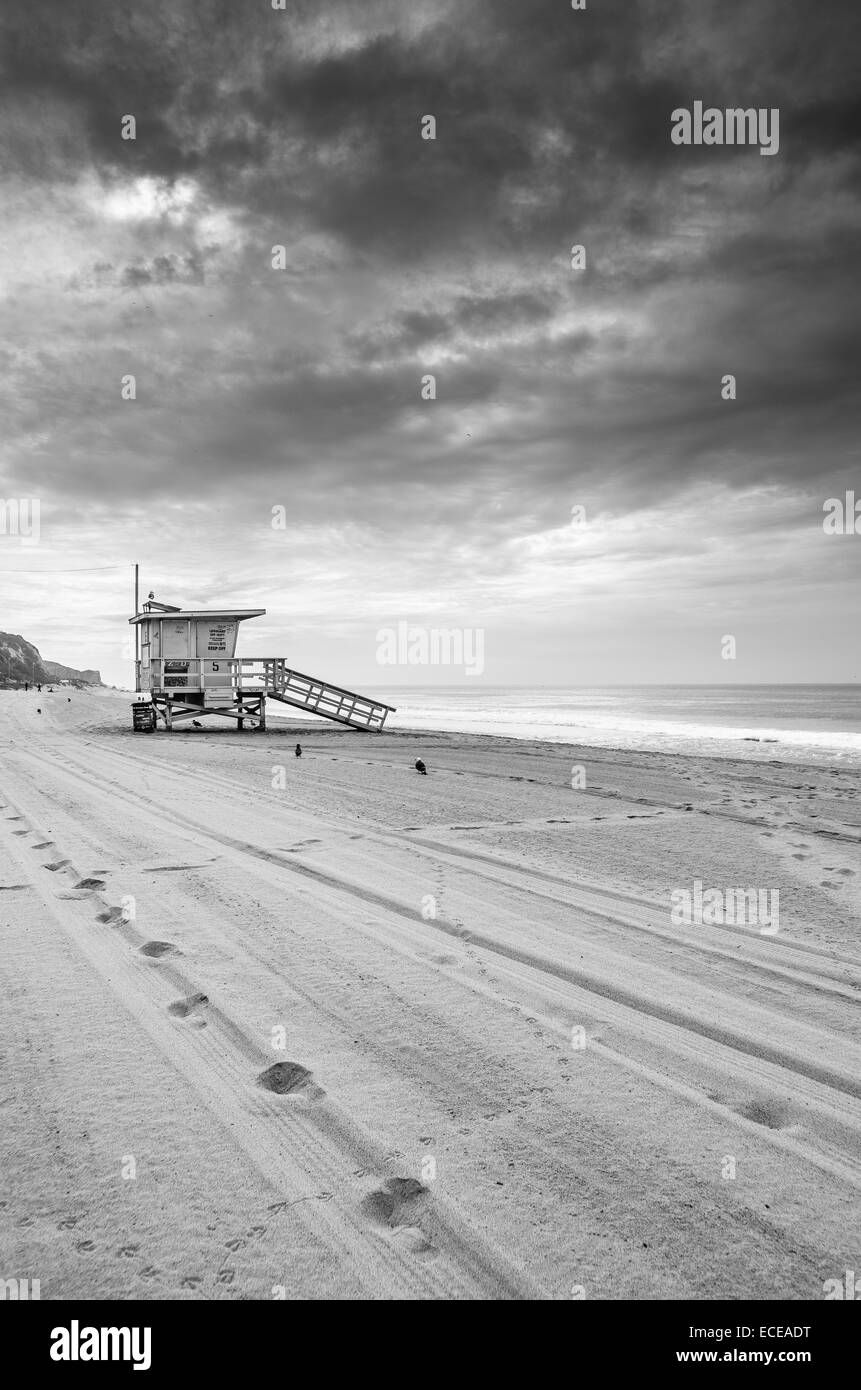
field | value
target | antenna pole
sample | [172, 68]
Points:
[137, 637]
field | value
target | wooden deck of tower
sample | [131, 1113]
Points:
[189, 668]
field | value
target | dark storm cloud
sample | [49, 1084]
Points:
[334, 406]
[553, 128]
[410, 331]
[496, 77]
[332, 138]
[165, 270]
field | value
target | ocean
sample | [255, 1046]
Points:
[803, 723]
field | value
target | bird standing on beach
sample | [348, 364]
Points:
[298, 750]
[420, 767]
[197, 724]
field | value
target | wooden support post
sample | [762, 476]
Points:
[240, 723]
[168, 713]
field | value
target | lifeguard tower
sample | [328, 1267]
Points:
[188, 666]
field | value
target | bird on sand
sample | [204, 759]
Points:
[197, 724]
[420, 767]
[298, 750]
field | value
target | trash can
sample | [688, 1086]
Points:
[143, 718]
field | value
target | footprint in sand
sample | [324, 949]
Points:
[89, 885]
[398, 1206]
[158, 948]
[53, 868]
[128, 1251]
[112, 916]
[763, 1110]
[290, 1078]
[186, 1008]
[190, 1281]
[44, 844]
[801, 856]
[85, 1245]
[22, 832]
[225, 1276]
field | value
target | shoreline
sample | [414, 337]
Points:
[742, 740]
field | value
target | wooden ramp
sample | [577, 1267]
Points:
[320, 697]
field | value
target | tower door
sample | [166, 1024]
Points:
[174, 639]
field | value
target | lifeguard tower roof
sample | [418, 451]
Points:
[181, 613]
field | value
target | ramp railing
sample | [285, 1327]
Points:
[321, 697]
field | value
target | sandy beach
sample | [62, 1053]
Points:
[324, 1028]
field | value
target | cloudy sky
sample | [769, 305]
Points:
[259, 388]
